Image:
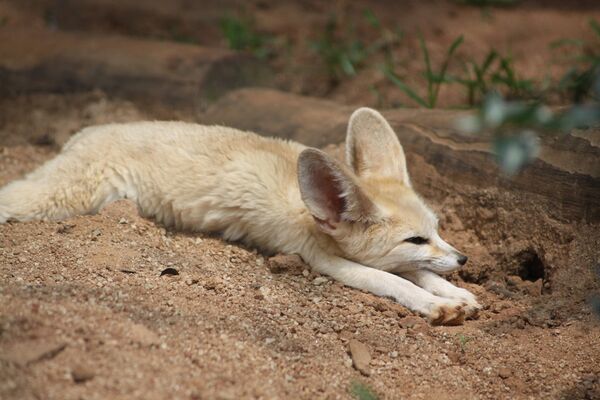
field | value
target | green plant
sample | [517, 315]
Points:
[506, 75]
[514, 127]
[434, 78]
[462, 341]
[342, 53]
[362, 392]
[388, 38]
[241, 35]
[495, 73]
[577, 83]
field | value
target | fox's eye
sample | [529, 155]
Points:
[417, 240]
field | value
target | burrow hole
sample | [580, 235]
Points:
[531, 267]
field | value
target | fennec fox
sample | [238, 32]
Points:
[360, 223]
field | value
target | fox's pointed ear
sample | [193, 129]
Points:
[372, 147]
[330, 192]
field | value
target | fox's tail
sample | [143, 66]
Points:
[65, 186]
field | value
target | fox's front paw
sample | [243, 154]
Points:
[472, 307]
[450, 312]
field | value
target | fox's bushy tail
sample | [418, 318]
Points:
[63, 187]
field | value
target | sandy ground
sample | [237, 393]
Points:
[89, 307]
[114, 306]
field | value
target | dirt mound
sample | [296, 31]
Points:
[113, 306]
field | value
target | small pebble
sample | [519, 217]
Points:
[319, 280]
[81, 374]
[361, 357]
[504, 372]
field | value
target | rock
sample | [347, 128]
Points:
[288, 263]
[191, 281]
[345, 335]
[320, 280]
[411, 321]
[379, 305]
[263, 293]
[32, 351]
[504, 372]
[499, 289]
[173, 74]
[95, 234]
[142, 335]
[65, 228]
[454, 356]
[81, 374]
[213, 283]
[361, 357]
[533, 289]
[514, 281]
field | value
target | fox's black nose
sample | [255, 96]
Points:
[462, 259]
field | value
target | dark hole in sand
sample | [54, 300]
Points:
[169, 272]
[531, 266]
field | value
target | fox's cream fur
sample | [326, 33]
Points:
[359, 222]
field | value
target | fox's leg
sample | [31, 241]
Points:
[66, 186]
[435, 284]
[438, 310]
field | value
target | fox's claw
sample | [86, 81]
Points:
[472, 309]
[450, 313]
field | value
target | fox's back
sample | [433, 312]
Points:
[196, 177]
[156, 139]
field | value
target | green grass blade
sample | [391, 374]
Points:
[455, 45]
[428, 72]
[404, 87]
[492, 55]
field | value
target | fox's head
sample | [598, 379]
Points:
[368, 206]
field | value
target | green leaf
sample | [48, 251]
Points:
[514, 152]
[346, 65]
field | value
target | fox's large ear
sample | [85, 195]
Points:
[330, 192]
[372, 147]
